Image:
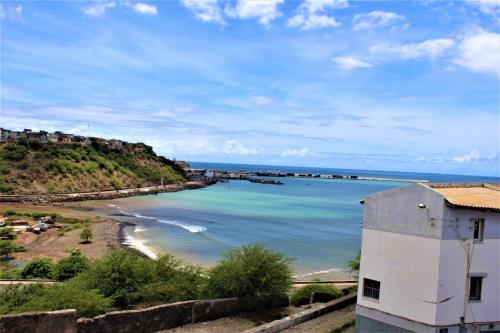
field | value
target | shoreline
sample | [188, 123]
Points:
[100, 195]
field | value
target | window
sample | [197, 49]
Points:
[443, 330]
[478, 229]
[371, 288]
[475, 288]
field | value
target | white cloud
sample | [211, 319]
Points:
[376, 19]
[348, 63]
[205, 10]
[490, 7]
[98, 9]
[264, 11]
[14, 13]
[314, 6]
[291, 152]
[144, 8]
[473, 156]
[233, 147]
[311, 14]
[432, 48]
[261, 100]
[480, 52]
[312, 21]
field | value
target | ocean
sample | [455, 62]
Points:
[315, 222]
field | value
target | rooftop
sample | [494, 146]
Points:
[471, 195]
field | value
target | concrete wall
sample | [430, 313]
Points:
[407, 267]
[397, 211]
[146, 320]
[39, 322]
[485, 261]
[420, 256]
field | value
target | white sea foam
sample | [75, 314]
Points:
[326, 271]
[188, 227]
[140, 228]
[140, 245]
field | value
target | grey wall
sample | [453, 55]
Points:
[397, 211]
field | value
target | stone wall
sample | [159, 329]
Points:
[303, 316]
[63, 321]
[146, 320]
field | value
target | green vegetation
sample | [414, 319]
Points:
[38, 268]
[7, 248]
[49, 168]
[7, 233]
[71, 266]
[124, 278]
[354, 263]
[252, 271]
[86, 235]
[321, 292]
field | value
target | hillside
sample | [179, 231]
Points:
[29, 167]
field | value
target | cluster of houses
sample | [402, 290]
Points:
[56, 137]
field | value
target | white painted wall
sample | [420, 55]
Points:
[407, 267]
[422, 265]
[485, 259]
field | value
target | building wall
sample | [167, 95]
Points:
[407, 267]
[397, 211]
[420, 257]
[485, 260]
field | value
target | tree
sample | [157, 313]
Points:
[86, 235]
[38, 268]
[71, 266]
[250, 271]
[354, 263]
[6, 248]
[7, 232]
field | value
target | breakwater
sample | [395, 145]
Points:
[261, 175]
[102, 195]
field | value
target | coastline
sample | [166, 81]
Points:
[100, 195]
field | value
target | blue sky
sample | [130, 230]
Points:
[410, 86]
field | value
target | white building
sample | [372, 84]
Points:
[431, 260]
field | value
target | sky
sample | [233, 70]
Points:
[393, 85]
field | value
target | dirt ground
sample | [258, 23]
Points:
[327, 322]
[48, 244]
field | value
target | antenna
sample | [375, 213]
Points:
[88, 131]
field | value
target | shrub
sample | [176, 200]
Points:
[118, 275]
[55, 297]
[16, 295]
[7, 233]
[318, 292]
[86, 235]
[87, 303]
[70, 266]
[38, 268]
[251, 271]
[354, 263]
[7, 248]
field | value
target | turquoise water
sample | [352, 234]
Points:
[316, 222]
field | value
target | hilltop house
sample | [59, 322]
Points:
[431, 260]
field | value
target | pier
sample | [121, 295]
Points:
[260, 176]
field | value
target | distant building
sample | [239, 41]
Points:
[430, 260]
